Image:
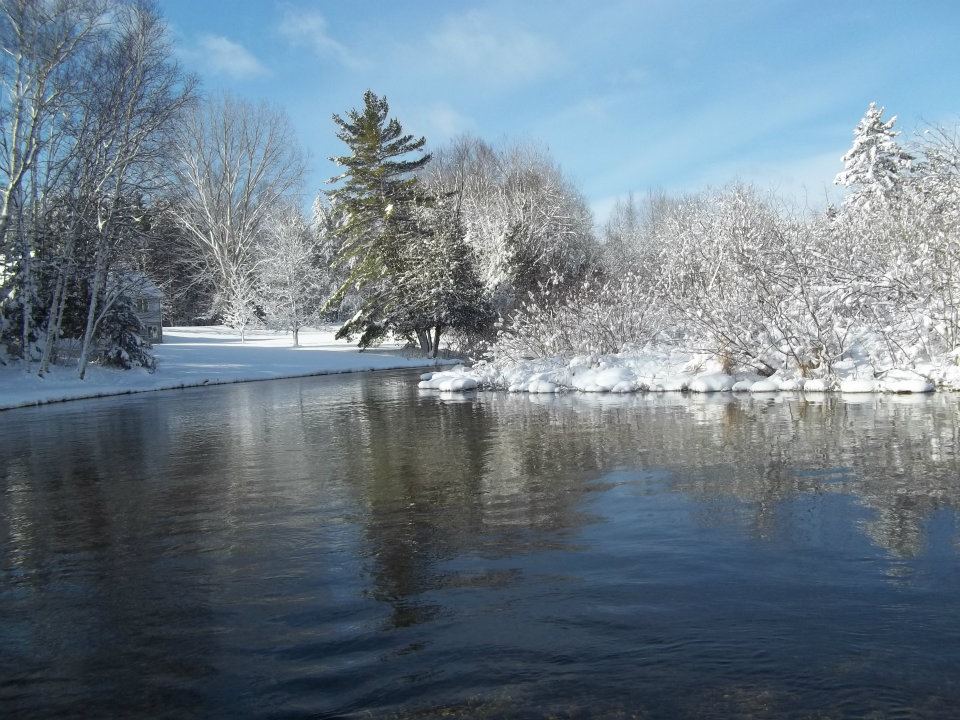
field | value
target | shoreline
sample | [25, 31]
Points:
[213, 383]
[659, 371]
[207, 356]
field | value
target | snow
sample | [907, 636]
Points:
[669, 370]
[858, 385]
[765, 386]
[191, 356]
[818, 385]
[712, 382]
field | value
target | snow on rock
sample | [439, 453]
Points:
[712, 382]
[542, 386]
[456, 380]
[765, 386]
[605, 379]
[906, 381]
[657, 369]
[818, 385]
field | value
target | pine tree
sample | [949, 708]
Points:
[875, 165]
[378, 194]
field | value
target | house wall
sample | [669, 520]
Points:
[150, 312]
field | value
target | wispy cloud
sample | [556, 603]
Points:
[491, 51]
[219, 55]
[445, 122]
[306, 28]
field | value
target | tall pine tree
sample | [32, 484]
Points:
[378, 193]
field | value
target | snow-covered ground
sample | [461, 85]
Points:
[662, 370]
[192, 356]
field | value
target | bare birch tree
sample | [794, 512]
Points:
[138, 95]
[41, 48]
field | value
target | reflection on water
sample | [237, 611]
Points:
[354, 547]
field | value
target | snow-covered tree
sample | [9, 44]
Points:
[526, 222]
[238, 163]
[875, 166]
[292, 285]
[440, 290]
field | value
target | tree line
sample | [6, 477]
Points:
[117, 171]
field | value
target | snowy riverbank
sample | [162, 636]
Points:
[653, 370]
[192, 356]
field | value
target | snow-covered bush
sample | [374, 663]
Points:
[599, 317]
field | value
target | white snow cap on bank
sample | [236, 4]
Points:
[665, 370]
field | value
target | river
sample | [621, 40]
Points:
[353, 547]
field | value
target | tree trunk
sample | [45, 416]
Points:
[28, 295]
[91, 326]
[436, 340]
[296, 337]
[423, 336]
[54, 321]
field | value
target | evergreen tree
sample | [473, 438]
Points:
[875, 165]
[441, 289]
[379, 195]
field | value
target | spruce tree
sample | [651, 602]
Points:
[378, 193]
[875, 165]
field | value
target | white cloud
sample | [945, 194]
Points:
[483, 47]
[308, 28]
[222, 56]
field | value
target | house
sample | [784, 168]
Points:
[148, 304]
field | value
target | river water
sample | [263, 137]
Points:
[354, 547]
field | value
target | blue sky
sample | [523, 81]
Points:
[628, 96]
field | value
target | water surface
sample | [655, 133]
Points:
[351, 547]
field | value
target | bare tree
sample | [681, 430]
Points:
[237, 163]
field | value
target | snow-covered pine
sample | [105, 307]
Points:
[875, 166]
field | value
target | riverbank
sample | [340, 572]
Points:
[194, 356]
[672, 370]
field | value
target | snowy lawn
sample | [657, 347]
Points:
[192, 356]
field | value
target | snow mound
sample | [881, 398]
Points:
[605, 379]
[712, 382]
[456, 380]
[906, 381]
[818, 385]
[765, 386]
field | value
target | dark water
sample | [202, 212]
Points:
[352, 547]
